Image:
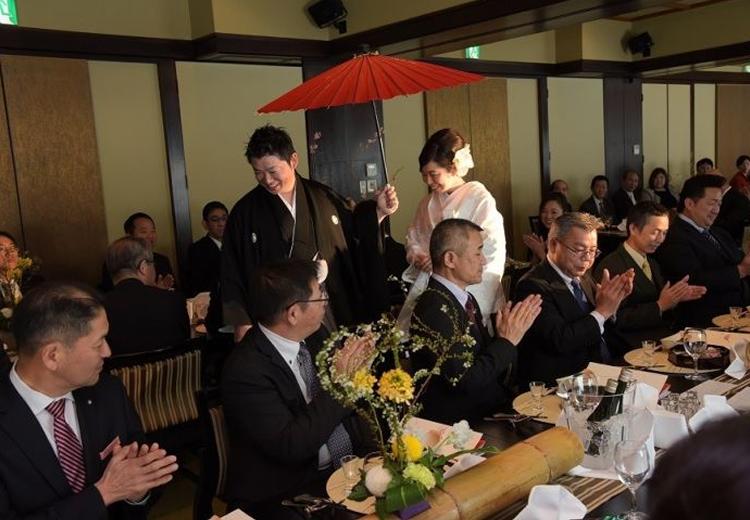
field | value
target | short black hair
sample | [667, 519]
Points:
[658, 171]
[210, 206]
[641, 212]
[703, 161]
[8, 236]
[450, 234]
[552, 197]
[277, 286]
[628, 172]
[270, 140]
[596, 179]
[695, 188]
[54, 311]
[129, 224]
[714, 460]
[741, 159]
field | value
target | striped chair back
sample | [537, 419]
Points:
[219, 428]
[213, 455]
[163, 389]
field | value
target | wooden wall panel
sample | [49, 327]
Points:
[732, 130]
[10, 214]
[57, 166]
[480, 113]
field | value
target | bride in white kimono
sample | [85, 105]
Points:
[444, 162]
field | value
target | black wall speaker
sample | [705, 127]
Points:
[327, 12]
[641, 44]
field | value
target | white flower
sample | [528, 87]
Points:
[463, 161]
[377, 480]
[461, 433]
[7, 312]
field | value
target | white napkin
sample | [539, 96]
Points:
[715, 407]
[552, 503]
[623, 225]
[234, 515]
[464, 462]
[646, 396]
[669, 427]
[738, 356]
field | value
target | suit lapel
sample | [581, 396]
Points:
[23, 428]
[264, 345]
[641, 284]
[561, 293]
[91, 435]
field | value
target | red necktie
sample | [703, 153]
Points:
[69, 451]
[471, 310]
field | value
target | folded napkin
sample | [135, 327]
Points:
[552, 503]
[669, 427]
[738, 354]
[234, 515]
[715, 407]
[646, 396]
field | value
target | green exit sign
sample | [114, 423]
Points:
[8, 14]
[472, 53]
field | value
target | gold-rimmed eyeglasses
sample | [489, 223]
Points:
[582, 253]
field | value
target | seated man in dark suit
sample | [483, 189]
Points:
[447, 309]
[141, 317]
[569, 331]
[141, 225]
[706, 253]
[646, 312]
[628, 195]
[204, 255]
[598, 204]
[286, 434]
[70, 437]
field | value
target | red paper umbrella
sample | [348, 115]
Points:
[368, 78]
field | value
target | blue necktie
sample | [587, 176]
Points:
[706, 233]
[339, 443]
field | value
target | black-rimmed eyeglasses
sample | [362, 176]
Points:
[323, 298]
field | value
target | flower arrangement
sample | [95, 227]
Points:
[10, 289]
[362, 369]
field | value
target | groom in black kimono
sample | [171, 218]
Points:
[287, 216]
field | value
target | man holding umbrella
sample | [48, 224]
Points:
[287, 216]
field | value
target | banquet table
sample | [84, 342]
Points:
[602, 497]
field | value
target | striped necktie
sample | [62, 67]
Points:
[69, 450]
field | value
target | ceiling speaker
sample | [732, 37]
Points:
[641, 44]
[329, 12]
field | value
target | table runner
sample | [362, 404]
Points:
[593, 492]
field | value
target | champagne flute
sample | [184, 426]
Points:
[633, 465]
[694, 341]
[649, 350]
[350, 465]
[736, 313]
[537, 389]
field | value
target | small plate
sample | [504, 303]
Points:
[551, 407]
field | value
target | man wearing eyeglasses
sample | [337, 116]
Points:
[569, 332]
[286, 434]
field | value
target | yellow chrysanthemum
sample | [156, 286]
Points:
[396, 385]
[413, 446]
[421, 474]
[363, 381]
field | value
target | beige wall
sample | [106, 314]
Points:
[602, 40]
[576, 133]
[218, 105]
[678, 124]
[655, 128]
[130, 137]
[704, 103]
[535, 48]
[282, 18]
[525, 169]
[404, 122]
[153, 18]
[367, 14]
[713, 25]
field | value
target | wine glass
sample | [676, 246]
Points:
[350, 465]
[633, 464]
[649, 350]
[537, 389]
[694, 341]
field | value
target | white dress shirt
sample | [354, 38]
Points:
[38, 402]
[217, 242]
[631, 196]
[568, 283]
[461, 295]
[289, 349]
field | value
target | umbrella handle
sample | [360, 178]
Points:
[380, 140]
